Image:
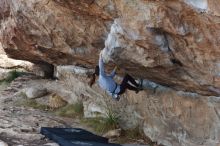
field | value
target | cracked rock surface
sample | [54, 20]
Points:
[174, 43]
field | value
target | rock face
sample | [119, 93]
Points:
[166, 116]
[167, 42]
[173, 43]
[57, 32]
[8, 63]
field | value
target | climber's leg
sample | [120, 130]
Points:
[125, 84]
[128, 79]
[140, 86]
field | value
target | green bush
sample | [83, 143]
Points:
[111, 120]
[31, 103]
[103, 124]
[4, 83]
[13, 75]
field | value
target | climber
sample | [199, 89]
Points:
[107, 82]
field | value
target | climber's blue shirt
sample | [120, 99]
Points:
[107, 82]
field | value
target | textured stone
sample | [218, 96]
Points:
[51, 144]
[8, 63]
[2, 143]
[92, 110]
[174, 43]
[113, 133]
[35, 92]
[57, 32]
[168, 117]
[167, 42]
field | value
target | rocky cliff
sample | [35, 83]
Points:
[174, 43]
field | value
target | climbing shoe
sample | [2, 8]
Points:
[116, 97]
[140, 85]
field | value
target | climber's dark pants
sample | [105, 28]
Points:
[125, 84]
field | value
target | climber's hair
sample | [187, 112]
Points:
[92, 81]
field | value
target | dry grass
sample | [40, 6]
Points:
[31, 103]
[133, 136]
[71, 110]
[103, 124]
[56, 101]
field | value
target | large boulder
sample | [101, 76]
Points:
[166, 116]
[174, 43]
[35, 92]
[8, 63]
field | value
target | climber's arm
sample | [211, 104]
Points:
[101, 66]
[112, 74]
